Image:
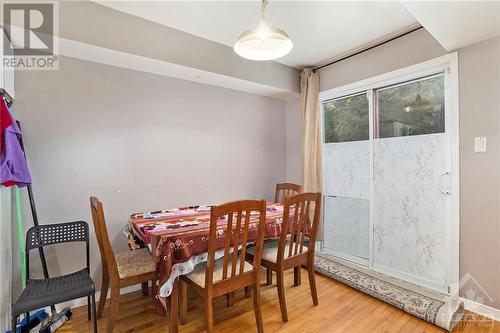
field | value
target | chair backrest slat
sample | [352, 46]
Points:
[244, 240]
[227, 243]
[101, 231]
[236, 240]
[300, 224]
[304, 227]
[292, 231]
[284, 190]
[238, 218]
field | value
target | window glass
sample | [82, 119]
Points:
[413, 108]
[346, 119]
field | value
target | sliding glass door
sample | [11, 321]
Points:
[387, 181]
[410, 180]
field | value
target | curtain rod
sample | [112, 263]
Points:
[8, 98]
[368, 48]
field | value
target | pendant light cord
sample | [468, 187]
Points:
[263, 8]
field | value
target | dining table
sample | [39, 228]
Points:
[178, 241]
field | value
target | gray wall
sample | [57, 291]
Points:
[141, 142]
[479, 82]
[293, 118]
[479, 71]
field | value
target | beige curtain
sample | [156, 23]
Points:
[312, 163]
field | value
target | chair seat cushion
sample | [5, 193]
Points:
[40, 293]
[198, 274]
[270, 252]
[133, 263]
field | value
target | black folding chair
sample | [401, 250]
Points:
[40, 293]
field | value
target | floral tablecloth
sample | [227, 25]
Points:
[178, 240]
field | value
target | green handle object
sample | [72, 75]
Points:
[20, 235]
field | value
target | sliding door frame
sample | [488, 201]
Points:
[448, 64]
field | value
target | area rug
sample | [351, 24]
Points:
[437, 309]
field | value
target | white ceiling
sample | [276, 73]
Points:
[320, 31]
[456, 24]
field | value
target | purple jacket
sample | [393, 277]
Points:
[13, 165]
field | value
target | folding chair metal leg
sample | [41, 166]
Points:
[14, 323]
[88, 308]
[94, 312]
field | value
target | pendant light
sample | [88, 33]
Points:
[263, 42]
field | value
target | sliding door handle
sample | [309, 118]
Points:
[444, 186]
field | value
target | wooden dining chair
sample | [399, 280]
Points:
[286, 189]
[231, 272]
[123, 269]
[296, 244]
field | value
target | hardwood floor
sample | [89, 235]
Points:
[340, 309]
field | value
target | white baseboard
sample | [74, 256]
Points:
[481, 309]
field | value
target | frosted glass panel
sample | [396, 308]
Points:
[346, 206]
[409, 211]
[347, 169]
[346, 223]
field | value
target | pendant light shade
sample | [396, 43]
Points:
[263, 42]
